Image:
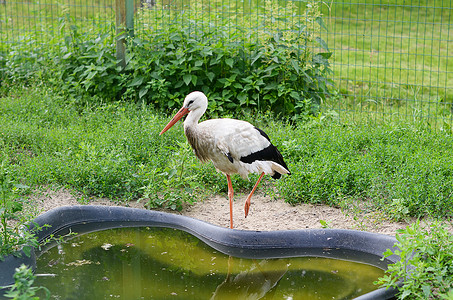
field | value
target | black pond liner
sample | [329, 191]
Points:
[351, 245]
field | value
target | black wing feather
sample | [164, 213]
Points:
[270, 153]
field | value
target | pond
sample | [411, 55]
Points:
[164, 263]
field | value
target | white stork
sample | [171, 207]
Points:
[233, 146]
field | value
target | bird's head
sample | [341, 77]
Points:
[194, 102]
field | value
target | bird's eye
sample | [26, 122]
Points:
[190, 103]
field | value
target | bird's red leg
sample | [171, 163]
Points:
[247, 202]
[230, 196]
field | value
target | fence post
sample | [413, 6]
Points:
[124, 27]
[130, 17]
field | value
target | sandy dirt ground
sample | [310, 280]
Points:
[265, 213]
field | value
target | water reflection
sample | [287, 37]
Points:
[156, 263]
[253, 283]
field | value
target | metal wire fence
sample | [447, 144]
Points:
[38, 21]
[391, 60]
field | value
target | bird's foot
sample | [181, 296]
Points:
[247, 207]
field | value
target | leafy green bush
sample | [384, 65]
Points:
[87, 67]
[23, 288]
[273, 67]
[258, 70]
[426, 262]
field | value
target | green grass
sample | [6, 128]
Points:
[114, 151]
[110, 151]
[34, 16]
[400, 169]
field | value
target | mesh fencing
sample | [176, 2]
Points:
[392, 60]
[38, 21]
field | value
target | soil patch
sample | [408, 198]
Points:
[265, 213]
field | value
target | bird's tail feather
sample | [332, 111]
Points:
[279, 170]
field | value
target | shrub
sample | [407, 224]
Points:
[23, 288]
[257, 70]
[426, 262]
[272, 66]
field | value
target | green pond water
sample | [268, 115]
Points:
[162, 263]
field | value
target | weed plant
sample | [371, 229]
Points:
[13, 238]
[403, 170]
[425, 267]
[23, 288]
[270, 67]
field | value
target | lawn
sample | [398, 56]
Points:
[114, 151]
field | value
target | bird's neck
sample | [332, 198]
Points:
[192, 118]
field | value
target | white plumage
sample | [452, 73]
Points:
[233, 146]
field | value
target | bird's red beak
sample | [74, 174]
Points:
[181, 113]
